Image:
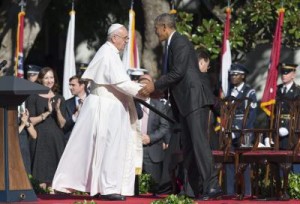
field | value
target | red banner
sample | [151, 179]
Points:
[269, 94]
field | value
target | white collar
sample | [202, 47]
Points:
[77, 98]
[288, 86]
[170, 37]
[239, 88]
[113, 47]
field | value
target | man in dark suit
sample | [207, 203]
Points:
[190, 96]
[154, 129]
[79, 91]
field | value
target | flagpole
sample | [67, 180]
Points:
[132, 3]
[225, 63]
[22, 4]
[173, 10]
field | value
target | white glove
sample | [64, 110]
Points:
[267, 142]
[283, 132]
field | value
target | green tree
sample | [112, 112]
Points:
[252, 23]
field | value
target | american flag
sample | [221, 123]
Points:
[19, 68]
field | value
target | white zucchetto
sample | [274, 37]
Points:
[114, 27]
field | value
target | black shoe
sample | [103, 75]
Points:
[213, 193]
[181, 193]
[97, 195]
[113, 197]
[155, 194]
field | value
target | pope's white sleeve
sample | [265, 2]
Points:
[129, 88]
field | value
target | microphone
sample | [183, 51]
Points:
[2, 64]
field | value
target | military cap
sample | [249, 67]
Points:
[238, 68]
[135, 73]
[33, 69]
[287, 68]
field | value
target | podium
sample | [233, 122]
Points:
[14, 183]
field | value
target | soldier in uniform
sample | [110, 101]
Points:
[290, 90]
[239, 89]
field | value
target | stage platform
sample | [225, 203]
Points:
[142, 199]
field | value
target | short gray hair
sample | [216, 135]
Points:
[166, 19]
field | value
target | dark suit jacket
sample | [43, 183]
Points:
[139, 110]
[71, 108]
[293, 93]
[157, 128]
[189, 88]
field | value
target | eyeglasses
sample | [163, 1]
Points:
[125, 38]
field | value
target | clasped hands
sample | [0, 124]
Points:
[56, 105]
[148, 90]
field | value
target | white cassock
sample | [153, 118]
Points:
[104, 150]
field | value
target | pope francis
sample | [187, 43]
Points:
[105, 149]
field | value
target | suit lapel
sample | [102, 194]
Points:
[170, 51]
[151, 114]
[291, 90]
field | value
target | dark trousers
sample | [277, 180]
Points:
[196, 150]
[152, 168]
[230, 180]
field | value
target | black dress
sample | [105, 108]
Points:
[24, 147]
[48, 147]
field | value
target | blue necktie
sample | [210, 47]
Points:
[165, 68]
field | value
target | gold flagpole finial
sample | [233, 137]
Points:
[228, 8]
[173, 10]
[281, 9]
